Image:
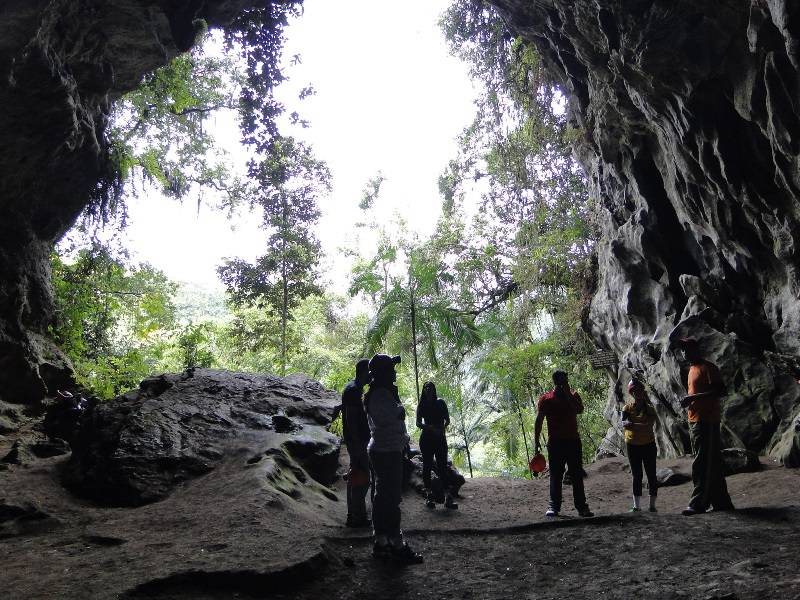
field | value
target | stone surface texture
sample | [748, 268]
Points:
[136, 449]
[687, 115]
[62, 65]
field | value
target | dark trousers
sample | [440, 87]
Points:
[561, 454]
[643, 456]
[433, 446]
[357, 494]
[710, 488]
[388, 470]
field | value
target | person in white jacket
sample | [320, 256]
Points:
[388, 439]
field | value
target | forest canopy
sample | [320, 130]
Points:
[487, 306]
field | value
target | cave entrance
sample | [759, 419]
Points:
[334, 220]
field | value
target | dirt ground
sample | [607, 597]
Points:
[227, 535]
[499, 545]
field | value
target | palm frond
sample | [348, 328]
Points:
[391, 313]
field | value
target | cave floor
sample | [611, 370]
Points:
[220, 537]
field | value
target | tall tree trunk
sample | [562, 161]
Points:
[414, 335]
[285, 284]
[466, 442]
[284, 318]
[524, 434]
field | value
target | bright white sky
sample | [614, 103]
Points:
[389, 98]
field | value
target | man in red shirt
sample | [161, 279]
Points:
[561, 407]
[705, 387]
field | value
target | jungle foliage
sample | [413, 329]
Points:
[486, 307]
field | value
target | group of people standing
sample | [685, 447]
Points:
[375, 434]
[561, 406]
[374, 431]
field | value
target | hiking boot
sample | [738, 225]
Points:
[448, 503]
[585, 512]
[689, 511]
[405, 555]
[551, 512]
[358, 522]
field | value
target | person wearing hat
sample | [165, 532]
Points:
[705, 387]
[638, 418]
[561, 407]
[386, 417]
[355, 431]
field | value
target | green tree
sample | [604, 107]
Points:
[108, 316]
[523, 264]
[291, 180]
[195, 343]
[414, 306]
[160, 129]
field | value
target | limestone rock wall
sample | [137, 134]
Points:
[688, 114]
[62, 64]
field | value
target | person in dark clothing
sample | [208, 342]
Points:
[561, 407]
[638, 418]
[356, 437]
[433, 418]
[388, 440]
[705, 387]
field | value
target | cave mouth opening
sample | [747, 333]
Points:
[390, 101]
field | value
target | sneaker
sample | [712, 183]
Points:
[551, 513]
[689, 511]
[585, 512]
[635, 509]
[404, 554]
[430, 504]
[448, 503]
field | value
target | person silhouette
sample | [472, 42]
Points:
[561, 407]
[388, 439]
[433, 418]
[355, 431]
[705, 388]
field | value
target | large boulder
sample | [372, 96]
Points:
[686, 116]
[739, 460]
[135, 449]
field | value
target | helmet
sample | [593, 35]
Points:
[537, 464]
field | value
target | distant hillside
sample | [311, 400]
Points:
[197, 302]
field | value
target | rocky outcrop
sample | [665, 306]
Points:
[62, 64]
[687, 115]
[136, 449]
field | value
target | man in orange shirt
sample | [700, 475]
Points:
[561, 407]
[705, 387]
